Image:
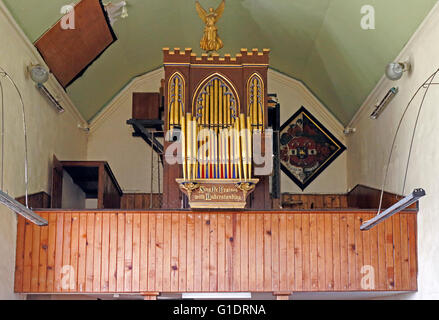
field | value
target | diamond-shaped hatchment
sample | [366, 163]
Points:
[306, 148]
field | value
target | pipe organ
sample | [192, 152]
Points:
[214, 107]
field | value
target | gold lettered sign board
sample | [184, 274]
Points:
[217, 193]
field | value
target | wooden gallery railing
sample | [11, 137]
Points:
[163, 251]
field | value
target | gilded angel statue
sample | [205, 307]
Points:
[210, 41]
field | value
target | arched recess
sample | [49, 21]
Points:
[176, 98]
[255, 99]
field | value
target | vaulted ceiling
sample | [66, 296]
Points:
[319, 42]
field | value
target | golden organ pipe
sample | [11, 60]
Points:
[190, 145]
[237, 148]
[229, 112]
[211, 105]
[204, 108]
[227, 109]
[197, 145]
[216, 102]
[215, 153]
[210, 132]
[227, 147]
[227, 159]
[233, 150]
[220, 105]
[183, 145]
[261, 112]
[212, 153]
[249, 147]
[176, 102]
[255, 103]
[207, 143]
[243, 138]
[201, 145]
[226, 137]
[221, 123]
[189, 149]
[225, 151]
[194, 137]
[209, 155]
[220, 151]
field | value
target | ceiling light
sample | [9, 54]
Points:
[397, 207]
[395, 70]
[38, 74]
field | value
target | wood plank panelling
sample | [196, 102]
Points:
[140, 201]
[283, 251]
[314, 201]
[360, 197]
[39, 200]
[363, 197]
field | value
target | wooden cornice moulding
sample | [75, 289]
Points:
[252, 57]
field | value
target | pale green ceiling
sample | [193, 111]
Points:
[319, 42]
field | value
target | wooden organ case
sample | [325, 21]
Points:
[214, 106]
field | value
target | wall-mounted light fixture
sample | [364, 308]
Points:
[348, 130]
[395, 70]
[40, 75]
[83, 128]
[386, 100]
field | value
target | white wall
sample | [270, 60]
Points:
[370, 146]
[72, 195]
[48, 133]
[292, 95]
[129, 157]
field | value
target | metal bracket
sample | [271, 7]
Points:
[141, 129]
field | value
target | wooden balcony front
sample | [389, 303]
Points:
[170, 251]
